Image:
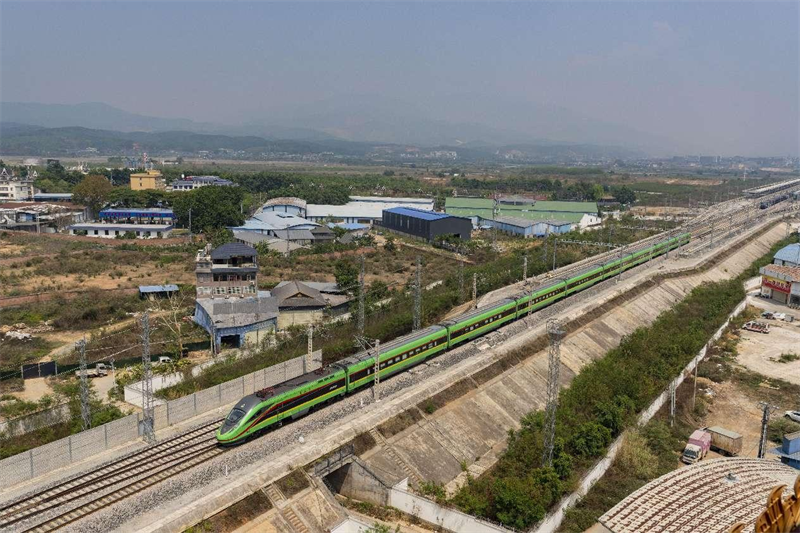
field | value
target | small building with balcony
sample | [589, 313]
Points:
[229, 305]
[231, 270]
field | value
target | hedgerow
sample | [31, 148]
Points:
[599, 404]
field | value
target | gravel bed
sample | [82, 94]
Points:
[205, 478]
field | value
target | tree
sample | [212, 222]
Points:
[346, 275]
[390, 245]
[171, 311]
[623, 194]
[219, 236]
[211, 207]
[94, 192]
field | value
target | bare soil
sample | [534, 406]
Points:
[760, 352]
[734, 408]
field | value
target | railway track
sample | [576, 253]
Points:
[87, 493]
[155, 476]
[155, 462]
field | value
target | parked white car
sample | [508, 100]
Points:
[792, 415]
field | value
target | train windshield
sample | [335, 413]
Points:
[234, 416]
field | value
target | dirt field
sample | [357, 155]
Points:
[733, 408]
[760, 353]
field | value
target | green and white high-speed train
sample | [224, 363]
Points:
[296, 397]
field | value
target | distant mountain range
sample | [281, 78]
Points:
[25, 139]
[369, 119]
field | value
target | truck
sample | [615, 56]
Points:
[99, 370]
[697, 447]
[725, 441]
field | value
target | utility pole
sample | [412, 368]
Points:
[360, 328]
[475, 290]
[494, 223]
[620, 255]
[308, 360]
[148, 422]
[377, 372]
[190, 224]
[555, 251]
[418, 296]
[85, 415]
[766, 411]
[544, 253]
[460, 279]
[672, 403]
[554, 334]
[713, 222]
[694, 390]
[525, 269]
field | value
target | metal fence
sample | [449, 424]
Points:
[87, 444]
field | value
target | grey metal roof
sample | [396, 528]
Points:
[789, 253]
[516, 221]
[233, 249]
[251, 237]
[235, 312]
[157, 288]
[321, 286]
[294, 234]
[286, 295]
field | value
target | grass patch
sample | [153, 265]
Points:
[362, 443]
[778, 427]
[234, 516]
[453, 392]
[789, 357]
[14, 352]
[88, 310]
[645, 454]
[292, 483]
[399, 422]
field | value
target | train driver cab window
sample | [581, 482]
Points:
[234, 416]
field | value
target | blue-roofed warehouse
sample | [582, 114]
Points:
[424, 224]
[141, 215]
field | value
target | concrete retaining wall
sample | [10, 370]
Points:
[553, 520]
[352, 524]
[81, 446]
[25, 424]
[433, 513]
[355, 481]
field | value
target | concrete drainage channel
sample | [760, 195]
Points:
[213, 472]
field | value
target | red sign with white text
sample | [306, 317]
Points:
[776, 284]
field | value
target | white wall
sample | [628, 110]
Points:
[433, 513]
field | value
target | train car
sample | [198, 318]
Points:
[296, 397]
[543, 297]
[584, 279]
[480, 321]
[395, 356]
[772, 201]
[271, 406]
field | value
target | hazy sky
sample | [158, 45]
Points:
[723, 76]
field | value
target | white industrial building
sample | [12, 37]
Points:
[363, 209]
[14, 188]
